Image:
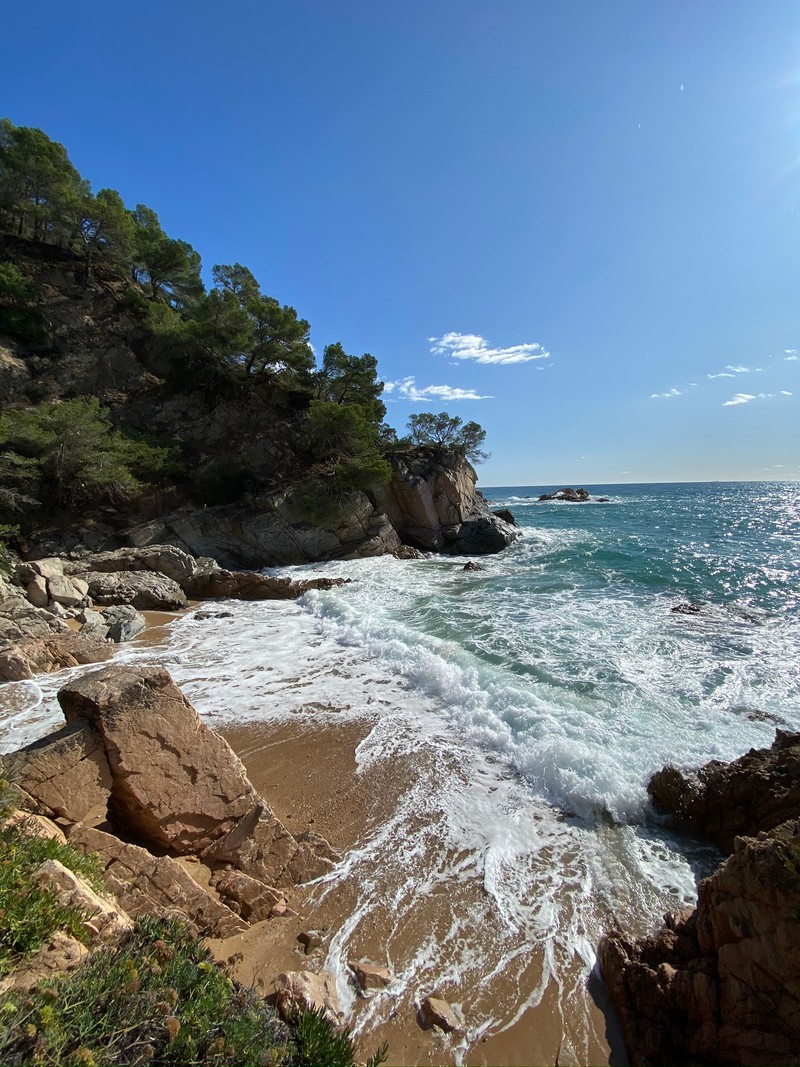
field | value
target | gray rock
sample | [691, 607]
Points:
[145, 590]
[123, 621]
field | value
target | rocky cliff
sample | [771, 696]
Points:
[243, 496]
[720, 983]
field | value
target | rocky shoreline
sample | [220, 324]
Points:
[720, 983]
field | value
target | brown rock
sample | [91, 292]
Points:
[754, 793]
[435, 1012]
[68, 592]
[66, 774]
[253, 900]
[261, 846]
[175, 783]
[370, 975]
[35, 826]
[211, 581]
[58, 955]
[310, 939]
[101, 918]
[298, 991]
[154, 885]
[722, 985]
[35, 655]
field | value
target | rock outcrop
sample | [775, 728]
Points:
[136, 751]
[720, 984]
[136, 759]
[37, 655]
[754, 793]
[433, 505]
[571, 496]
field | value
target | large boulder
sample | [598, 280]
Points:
[172, 562]
[176, 783]
[720, 984]
[145, 884]
[20, 618]
[66, 774]
[298, 991]
[144, 590]
[35, 655]
[754, 793]
[433, 504]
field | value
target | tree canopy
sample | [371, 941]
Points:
[442, 432]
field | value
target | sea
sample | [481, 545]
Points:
[535, 696]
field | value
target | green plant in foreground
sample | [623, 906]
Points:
[29, 915]
[158, 998]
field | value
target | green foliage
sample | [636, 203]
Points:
[20, 317]
[318, 1043]
[346, 379]
[37, 183]
[6, 531]
[444, 432]
[103, 225]
[72, 446]
[159, 999]
[29, 913]
[171, 268]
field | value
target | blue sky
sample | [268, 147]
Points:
[574, 222]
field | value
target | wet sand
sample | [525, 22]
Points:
[307, 771]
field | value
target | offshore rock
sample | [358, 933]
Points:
[571, 496]
[754, 793]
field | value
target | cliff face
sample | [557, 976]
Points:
[720, 984]
[244, 453]
[430, 504]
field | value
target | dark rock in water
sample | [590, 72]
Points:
[687, 609]
[472, 566]
[572, 496]
[213, 615]
[753, 794]
[506, 516]
[601, 500]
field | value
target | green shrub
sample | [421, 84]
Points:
[28, 914]
[157, 998]
[20, 317]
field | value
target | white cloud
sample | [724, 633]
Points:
[792, 357]
[745, 398]
[666, 396]
[790, 351]
[473, 346]
[731, 370]
[406, 389]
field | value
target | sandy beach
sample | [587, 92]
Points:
[308, 774]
